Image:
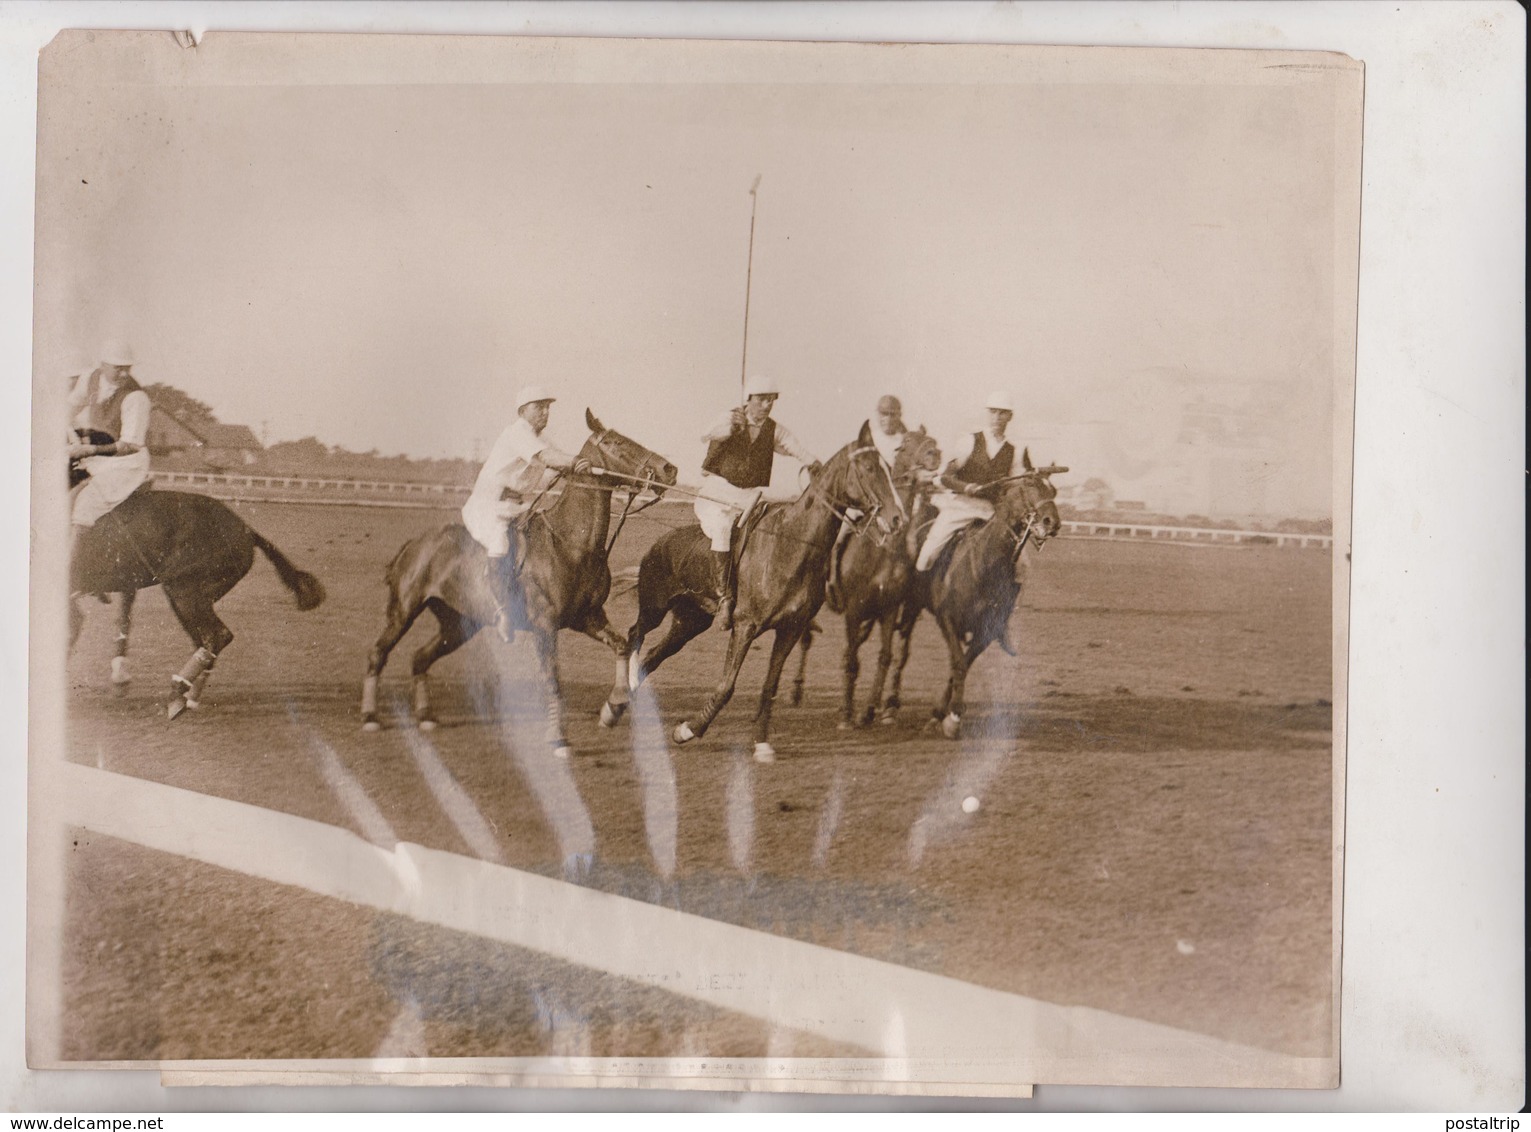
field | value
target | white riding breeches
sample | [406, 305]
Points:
[488, 520]
[112, 479]
[953, 512]
[721, 508]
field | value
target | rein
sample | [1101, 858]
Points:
[635, 486]
[841, 512]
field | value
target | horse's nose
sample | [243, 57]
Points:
[671, 473]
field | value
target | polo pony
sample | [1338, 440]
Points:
[194, 548]
[971, 588]
[564, 581]
[782, 569]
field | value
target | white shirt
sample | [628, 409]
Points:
[514, 463]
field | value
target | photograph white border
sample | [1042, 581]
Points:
[1434, 879]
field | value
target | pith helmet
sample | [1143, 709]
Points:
[117, 354]
[758, 386]
[531, 394]
[999, 400]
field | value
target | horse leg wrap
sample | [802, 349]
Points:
[200, 662]
[198, 686]
[120, 670]
[369, 696]
[422, 697]
[622, 687]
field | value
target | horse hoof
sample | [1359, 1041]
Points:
[888, 718]
[765, 753]
[426, 725]
[177, 706]
[951, 726]
[371, 725]
[610, 716]
[563, 751]
[683, 734]
[844, 725]
[193, 705]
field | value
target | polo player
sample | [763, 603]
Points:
[108, 400]
[741, 450]
[980, 459]
[518, 468]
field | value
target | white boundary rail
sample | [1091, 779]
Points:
[253, 488]
[915, 1025]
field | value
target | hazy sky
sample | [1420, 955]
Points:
[382, 266]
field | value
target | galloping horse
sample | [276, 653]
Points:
[875, 587]
[781, 575]
[971, 587]
[194, 548]
[565, 578]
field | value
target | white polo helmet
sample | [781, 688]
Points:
[117, 354]
[531, 394]
[758, 386]
[999, 399]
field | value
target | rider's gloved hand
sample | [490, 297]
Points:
[79, 451]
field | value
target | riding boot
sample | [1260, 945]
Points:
[832, 591]
[503, 584]
[723, 567]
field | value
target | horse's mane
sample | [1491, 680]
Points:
[997, 530]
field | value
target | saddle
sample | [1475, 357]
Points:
[739, 537]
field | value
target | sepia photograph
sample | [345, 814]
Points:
[721, 565]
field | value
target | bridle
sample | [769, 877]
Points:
[635, 485]
[1030, 529]
[841, 508]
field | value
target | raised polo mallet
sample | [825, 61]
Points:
[748, 270]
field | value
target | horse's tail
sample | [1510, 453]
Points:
[624, 581]
[305, 587]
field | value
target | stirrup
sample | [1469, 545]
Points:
[504, 623]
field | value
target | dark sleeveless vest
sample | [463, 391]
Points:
[741, 462]
[982, 468]
[107, 415]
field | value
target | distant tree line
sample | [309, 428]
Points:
[307, 457]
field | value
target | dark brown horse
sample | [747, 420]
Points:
[971, 587]
[565, 579]
[196, 549]
[782, 570]
[875, 580]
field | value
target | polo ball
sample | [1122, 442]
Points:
[970, 805]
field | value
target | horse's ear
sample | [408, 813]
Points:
[591, 423]
[864, 437]
[920, 430]
[1026, 459]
